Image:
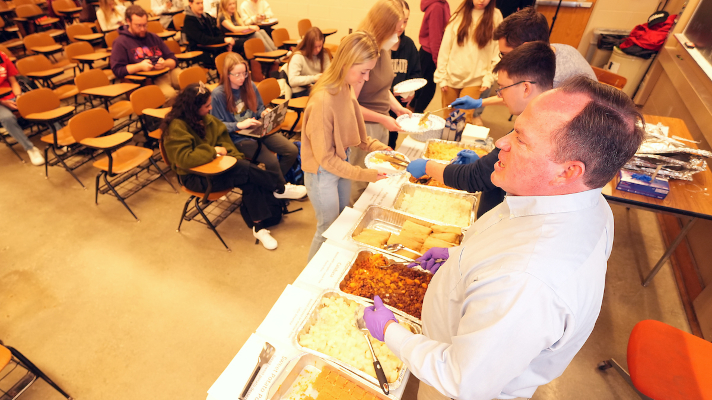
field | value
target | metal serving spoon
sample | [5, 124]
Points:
[361, 324]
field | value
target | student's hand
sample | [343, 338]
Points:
[254, 27]
[248, 123]
[230, 41]
[483, 88]
[381, 176]
[160, 64]
[266, 110]
[392, 125]
[400, 110]
[10, 104]
[221, 151]
[145, 65]
[444, 88]
[316, 77]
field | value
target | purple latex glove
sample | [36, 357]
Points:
[377, 317]
[427, 260]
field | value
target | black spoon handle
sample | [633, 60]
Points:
[381, 377]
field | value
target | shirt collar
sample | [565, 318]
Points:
[522, 206]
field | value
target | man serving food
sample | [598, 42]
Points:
[516, 301]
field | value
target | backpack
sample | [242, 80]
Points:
[278, 208]
[295, 175]
[26, 84]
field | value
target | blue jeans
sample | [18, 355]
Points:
[329, 195]
[9, 121]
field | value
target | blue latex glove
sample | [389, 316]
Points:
[465, 157]
[466, 103]
[377, 317]
[417, 167]
[427, 260]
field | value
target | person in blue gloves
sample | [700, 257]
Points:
[516, 301]
[523, 74]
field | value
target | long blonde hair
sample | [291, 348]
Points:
[356, 48]
[382, 19]
[108, 7]
[222, 10]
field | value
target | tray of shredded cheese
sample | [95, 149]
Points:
[443, 151]
[329, 331]
[451, 207]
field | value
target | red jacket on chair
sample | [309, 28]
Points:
[649, 38]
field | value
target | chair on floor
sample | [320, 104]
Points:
[666, 363]
[203, 200]
[39, 68]
[281, 39]
[14, 364]
[220, 62]
[149, 97]
[110, 37]
[81, 29]
[303, 26]
[33, 19]
[270, 91]
[609, 78]
[60, 8]
[261, 66]
[188, 58]
[82, 48]
[122, 161]
[93, 78]
[190, 75]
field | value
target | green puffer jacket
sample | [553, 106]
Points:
[185, 149]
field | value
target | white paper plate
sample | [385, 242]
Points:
[385, 167]
[410, 123]
[410, 85]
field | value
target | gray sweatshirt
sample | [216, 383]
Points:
[303, 71]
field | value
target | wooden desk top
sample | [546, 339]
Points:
[51, 115]
[292, 42]
[218, 165]
[47, 49]
[153, 74]
[166, 34]
[329, 31]
[46, 73]
[188, 55]
[159, 113]
[91, 57]
[268, 22]
[271, 54]
[89, 37]
[212, 46]
[70, 10]
[173, 12]
[151, 18]
[692, 199]
[111, 91]
[4, 91]
[245, 32]
[299, 103]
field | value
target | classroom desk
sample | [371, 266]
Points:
[173, 11]
[685, 200]
[159, 113]
[4, 91]
[328, 31]
[165, 35]
[268, 23]
[90, 58]
[246, 32]
[91, 37]
[153, 74]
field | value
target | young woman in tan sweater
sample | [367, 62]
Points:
[332, 124]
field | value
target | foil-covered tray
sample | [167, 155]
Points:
[312, 318]
[675, 164]
[487, 145]
[664, 173]
[411, 189]
[387, 220]
[308, 364]
[367, 253]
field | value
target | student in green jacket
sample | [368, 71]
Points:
[193, 137]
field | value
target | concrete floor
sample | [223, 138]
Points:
[115, 309]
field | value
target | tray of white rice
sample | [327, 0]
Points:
[446, 206]
[444, 151]
[432, 129]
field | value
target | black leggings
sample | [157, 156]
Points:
[258, 187]
[425, 95]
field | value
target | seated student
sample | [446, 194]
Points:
[229, 21]
[158, 7]
[237, 103]
[255, 11]
[110, 15]
[201, 29]
[522, 75]
[308, 62]
[137, 50]
[406, 65]
[193, 137]
[7, 105]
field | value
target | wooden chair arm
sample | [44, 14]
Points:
[108, 142]
[215, 167]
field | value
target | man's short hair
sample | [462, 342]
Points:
[136, 10]
[533, 61]
[523, 26]
[604, 135]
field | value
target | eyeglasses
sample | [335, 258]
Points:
[239, 74]
[499, 91]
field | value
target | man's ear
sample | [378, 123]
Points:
[571, 171]
[528, 89]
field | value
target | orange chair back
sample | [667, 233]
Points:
[190, 75]
[269, 90]
[91, 78]
[253, 46]
[78, 49]
[26, 10]
[36, 101]
[303, 26]
[220, 62]
[179, 21]
[610, 78]
[38, 39]
[90, 123]
[77, 29]
[59, 5]
[33, 64]
[173, 46]
[279, 36]
[154, 27]
[149, 96]
[110, 37]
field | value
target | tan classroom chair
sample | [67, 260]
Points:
[93, 78]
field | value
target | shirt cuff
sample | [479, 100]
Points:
[395, 336]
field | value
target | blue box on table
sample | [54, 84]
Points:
[659, 188]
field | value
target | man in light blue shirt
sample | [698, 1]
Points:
[516, 301]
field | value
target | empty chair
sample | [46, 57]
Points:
[38, 67]
[260, 66]
[269, 91]
[81, 29]
[82, 48]
[110, 37]
[303, 26]
[122, 161]
[188, 58]
[61, 8]
[10, 360]
[281, 39]
[34, 18]
[154, 27]
[93, 78]
[41, 43]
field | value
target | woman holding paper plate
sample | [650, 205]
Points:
[333, 126]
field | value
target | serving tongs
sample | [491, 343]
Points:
[393, 160]
[397, 246]
[264, 357]
[424, 119]
[383, 382]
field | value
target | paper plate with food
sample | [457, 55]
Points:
[417, 124]
[389, 162]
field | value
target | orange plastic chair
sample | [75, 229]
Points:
[666, 363]
[609, 78]
[10, 360]
[190, 75]
[303, 26]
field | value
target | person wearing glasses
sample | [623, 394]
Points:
[522, 75]
[238, 104]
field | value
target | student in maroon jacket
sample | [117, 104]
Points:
[437, 15]
[137, 50]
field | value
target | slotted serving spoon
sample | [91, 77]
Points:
[397, 246]
[361, 324]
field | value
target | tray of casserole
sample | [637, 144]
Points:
[437, 205]
[443, 151]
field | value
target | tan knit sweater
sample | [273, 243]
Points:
[333, 123]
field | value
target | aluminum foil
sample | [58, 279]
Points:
[487, 145]
[410, 188]
[664, 173]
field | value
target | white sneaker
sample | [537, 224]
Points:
[292, 192]
[36, 156]
[265, 238]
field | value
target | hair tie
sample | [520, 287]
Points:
[201, 87]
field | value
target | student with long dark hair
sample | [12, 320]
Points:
[308, 62]
[468, 54]
[192, 137]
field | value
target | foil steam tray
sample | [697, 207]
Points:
[312, 318]
[488, 145]
[410, 188]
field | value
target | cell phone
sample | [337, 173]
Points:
[689, 45]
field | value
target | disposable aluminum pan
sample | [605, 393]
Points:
[314, 364]
[488, 145]
[411, 189]
[387, 220]
[367, 253]
[312, 318]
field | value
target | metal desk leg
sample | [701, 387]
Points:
[669, 251]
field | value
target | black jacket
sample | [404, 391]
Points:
[476, 177]
[203, 30]
[406, 61]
